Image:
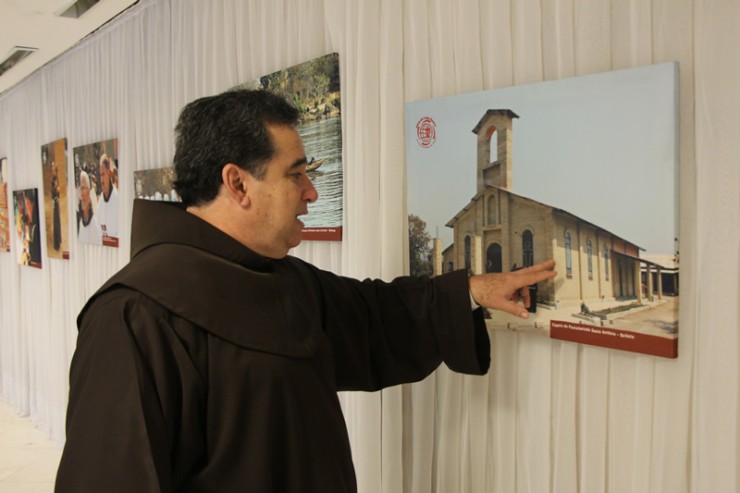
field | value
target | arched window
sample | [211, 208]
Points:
[568, 256]
[590, 255]
[467, 253]
[491, 210]
[493, 258]
[492, 137]
[606, 262]
[527, 249]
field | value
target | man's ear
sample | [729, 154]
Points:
[233, 178]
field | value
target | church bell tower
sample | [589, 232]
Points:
[494, 134]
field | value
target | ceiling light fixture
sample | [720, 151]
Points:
[16, 54]
[75, 9]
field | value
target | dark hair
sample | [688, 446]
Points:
[227, 128]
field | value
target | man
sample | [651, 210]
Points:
[88, 229]
[211, 362]
[34, 238]
[107, 209]
[56, 195]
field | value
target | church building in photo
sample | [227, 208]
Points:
[499, 231]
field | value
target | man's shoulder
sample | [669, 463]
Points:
[120, 298]
[115, 295]
[119, 306]
[125, 287]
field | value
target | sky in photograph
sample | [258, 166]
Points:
[602, 147]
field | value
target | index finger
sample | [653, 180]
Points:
[546, 265]
[538, 272]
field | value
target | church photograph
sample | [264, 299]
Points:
[579, 171]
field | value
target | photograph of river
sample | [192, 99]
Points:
[313, 87]
[323, 140]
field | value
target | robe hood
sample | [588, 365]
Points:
[207, 277]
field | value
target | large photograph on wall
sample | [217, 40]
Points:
[96, 184]
[4, 214]
[28, 229]
[313, 87]
[54, 171]
[581, 170]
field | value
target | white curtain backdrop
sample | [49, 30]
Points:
[550, 416]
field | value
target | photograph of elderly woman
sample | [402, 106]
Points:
[96, 183]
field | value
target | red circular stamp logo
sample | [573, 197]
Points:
[426, 132]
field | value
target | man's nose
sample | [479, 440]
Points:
[309, 193]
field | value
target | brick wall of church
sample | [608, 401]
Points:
[523, 216]
[569, 286]
[590, 281]
[467, 225]
[514, 216]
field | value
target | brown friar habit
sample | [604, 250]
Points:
[204, 367]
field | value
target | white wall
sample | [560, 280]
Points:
[551, 416]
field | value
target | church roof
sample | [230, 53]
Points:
[479, 195]
[666, 262]
[488, 113]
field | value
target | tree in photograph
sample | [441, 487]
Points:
[419, 247]
[313, 87]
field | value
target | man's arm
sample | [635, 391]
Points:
[387, 333]
[502, 291]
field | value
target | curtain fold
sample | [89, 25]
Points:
[550, 416]
[715, 428]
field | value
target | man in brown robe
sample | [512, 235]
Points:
[211, 362]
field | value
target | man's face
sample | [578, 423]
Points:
[84, 194]
[281, 195]
[29, 207]
[104, 178]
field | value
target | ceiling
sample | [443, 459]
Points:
[35, 24]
